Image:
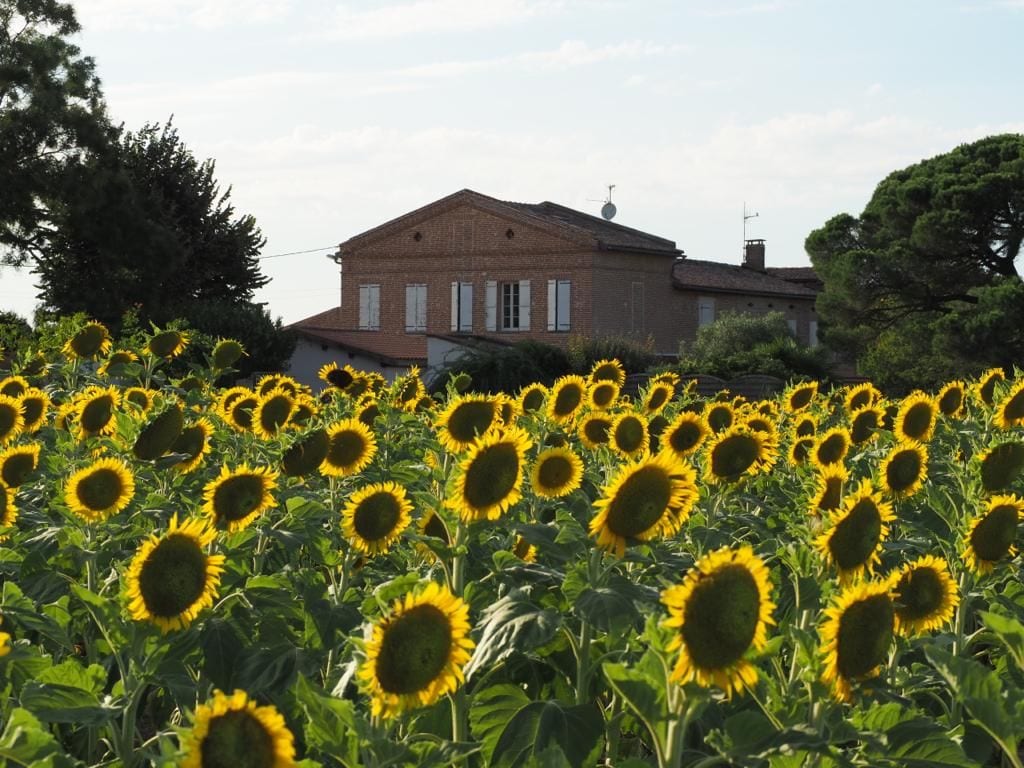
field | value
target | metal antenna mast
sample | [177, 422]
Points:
[745, 217]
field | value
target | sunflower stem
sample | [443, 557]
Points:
[460, 709]
[958, 638]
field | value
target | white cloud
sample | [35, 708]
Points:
[431, 16]
[722, 10]
[162, 14]
[874, 89]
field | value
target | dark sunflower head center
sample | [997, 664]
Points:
[138, 397]
[1002, 465]
[720, 417]
[369, 414]
[346, 448]
[860, 399]
[470, 419]
[918, 420]
[721, 616]
[339, 377]
[800, 397]
[88, 341]
[166, 344]
[802, 449]
[657, 398]
[409, 390]
[919, 594]
[190, 442]
[992, 538]
[805, 427]
[100, 489]
[533, 400]
[734, 456]
[12, 388]
[241, 411]
[376, 516]
[606, 372]
[226, 353]
[306, 455]
[414, 650]
[435, 527]
[831, 494]
[173, 576]
[603, 394]
[640, 502]
[16, 468]
[832, 449]
[96, 413]
[863, 426]
[236, 497]
[864, 637]
[1014, 409]
[159, 435]
[630, 434]
[568, 399]
[492, 475]
[903, 471]
[856, 536]
[8, 418]
[555, 472]
[237, 739]
[275, 412]
[987, 389]
[951, 401]
[596, 430]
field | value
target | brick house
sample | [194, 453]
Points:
[470, 269]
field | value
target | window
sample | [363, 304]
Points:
[558, 305]
[812, 333]
[369, 307]
[416, 307]
[792, 326]
[462, 306]
[705, 311]
[636, 307]
[508, 305]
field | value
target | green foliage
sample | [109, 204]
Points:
[932, 253]
[738, 344]
[635, 357]
[15, 336]
[507, 369]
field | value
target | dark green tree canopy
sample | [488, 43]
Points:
[51, 110]
[932, 242]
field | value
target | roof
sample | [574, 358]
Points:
[716, 277]
[396, 349]
[805, 276]
[558, 220]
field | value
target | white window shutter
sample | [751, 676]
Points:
[375, 307]
[563, 305]
[364, 307]
[812, 333]
[792, 326]
[465, 306]
[491, 305]
[524, 305]
[552, 304]
[421, 308]
[410, 307]
[455, 306]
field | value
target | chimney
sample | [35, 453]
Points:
[753, 255]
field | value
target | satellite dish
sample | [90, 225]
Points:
[608, 210]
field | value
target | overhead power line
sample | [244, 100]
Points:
[295, 253]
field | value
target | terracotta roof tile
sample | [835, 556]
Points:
[389, 348]
[694, 274]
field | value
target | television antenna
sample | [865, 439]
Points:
[746, 216]
[608, 210]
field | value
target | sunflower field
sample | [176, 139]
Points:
[264, 577]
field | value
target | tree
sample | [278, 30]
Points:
[934, 252]
[144, 224]
[739, 344]
[51, 113]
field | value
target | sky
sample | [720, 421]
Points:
[326, 119]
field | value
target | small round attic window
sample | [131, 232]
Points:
[418, 236]
[509, 233]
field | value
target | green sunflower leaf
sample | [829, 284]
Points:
[26, 741]
[492, 708]
[537, 729]
[642, 687]
[511, 624]
[54, 703]
[1010, 632]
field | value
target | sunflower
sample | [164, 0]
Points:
[17, 463]
[991, 535]
[235, 497]
[951, 399]
[159, 434]
[594, 430]
[608, 370]
[799, 396]
[668, 377]
[735, 452]
[719, 416]
[831, 447]
[915, 420]
[193, 442]
[658, 395]
[225, 353]
[828, 493]
[337, 377]
[1010, 410]
[865, 423]
[272, 412]
[984, 388]
[490, 476]
[407, 390]
[758, 422]
[856, 531]
[531, 398]
[139, 397]
[905, 469]
[167, 344]
[34, 406]
[233, 732]
[856, 635]
[628, 435]
[432, 525]
[566, 398]
[1000, 465]
[375, 516]
[306, 408]
[650, 497]
[557, 472]
[228, 397]
[12, 420]
[602, 395]
[524, 550]
[861, 396]
[416, 653]
[8, 512]
[306, 454]
[95, 409]
[100, 490]
[350, 447]
[13, 386]
[806, 425]
[685, 434]
[89, 342]
[239, 413]
[172, 579]
[466, 418]
[719, 613]
[117, 359]
[924, 596]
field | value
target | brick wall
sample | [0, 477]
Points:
[799, 309]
